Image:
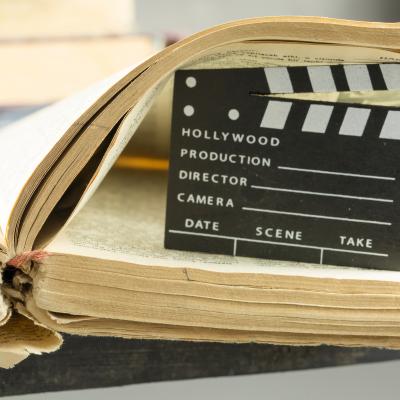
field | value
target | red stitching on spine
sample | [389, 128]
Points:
[27, 256]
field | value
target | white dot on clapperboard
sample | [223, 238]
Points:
[233, 114]
[188, 110]
[191, 82]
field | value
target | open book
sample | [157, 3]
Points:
[82, 242]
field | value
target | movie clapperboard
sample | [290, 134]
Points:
[253, 174]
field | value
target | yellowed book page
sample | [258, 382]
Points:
[269, 54]
[26, 143]
[4, 305]
[124, 133]
[386, 98]
[5, 309]
[3, 246]
[21, 337]
[9, 359]
[124, 221]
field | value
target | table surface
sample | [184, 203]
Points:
[88, 362]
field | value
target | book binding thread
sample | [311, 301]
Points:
[27, 256]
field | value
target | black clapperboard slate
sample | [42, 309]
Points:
[256, 175]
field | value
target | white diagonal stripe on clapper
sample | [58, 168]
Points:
[321, 79]
[276, 114]
[391, 75]
[317, 118]
[390, 128]
[354, 121]
[278, 80]
[358, 77]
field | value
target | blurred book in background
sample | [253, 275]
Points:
[51, 49]
[48, 18]
[42, 71]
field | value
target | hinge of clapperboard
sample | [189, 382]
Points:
[329, 79]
